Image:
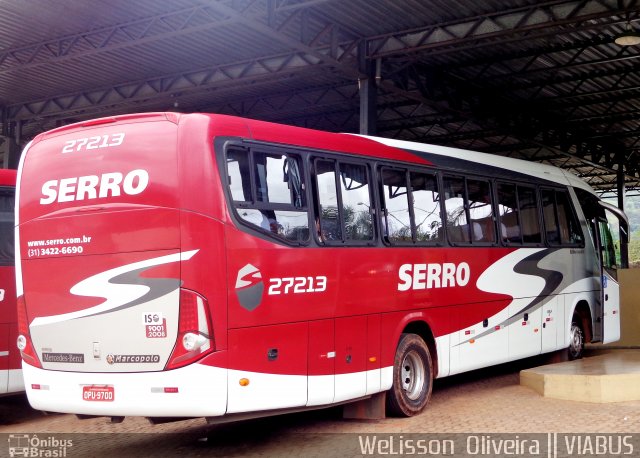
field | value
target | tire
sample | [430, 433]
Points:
[576, 340]
[412, 377]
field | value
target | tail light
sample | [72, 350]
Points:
[24, 343]
[195, 334]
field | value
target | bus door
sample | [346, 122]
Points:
[607, 320]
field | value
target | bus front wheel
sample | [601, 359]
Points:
[576, 340]
[412, 377]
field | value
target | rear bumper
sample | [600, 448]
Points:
[201, 391]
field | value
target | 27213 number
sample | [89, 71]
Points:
[297, 285]
[99, 141]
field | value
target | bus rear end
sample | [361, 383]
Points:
[109, 322]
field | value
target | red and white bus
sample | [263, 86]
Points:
[10, 361]
[181, 265]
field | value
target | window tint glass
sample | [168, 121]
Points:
[480, 211]
[426, 207]
[330, 225]
[509, 213]
[570, 232]
[344, 202]
[457, 224]
[550, 218]
[275, 201]
[529, 215]
[560, 223]
[396, 201]
[272, 182]
[238, 175]
[356, 203]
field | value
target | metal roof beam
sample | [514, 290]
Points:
[519, 22]
[133, 33]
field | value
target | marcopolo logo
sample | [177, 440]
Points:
[133, 359]
[249, 287]
[33, 446]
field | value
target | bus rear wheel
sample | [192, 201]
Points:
[576, 340]
[412, 377]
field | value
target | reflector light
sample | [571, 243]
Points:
[171, 389]
[35, 386]
[22, 342]
[244, 382]
[373, 359]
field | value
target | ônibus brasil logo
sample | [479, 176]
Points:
[33, 446]
[249, 287]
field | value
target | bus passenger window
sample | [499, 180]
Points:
[509, 213]
[481, 211]
[275, 201]
[550, 217]
[238, 174]
[570, 232]
[560, 223]
[411, 208]
[426, 207]
[356, 203]
[454, 201]
[346, 213]
[529, 218]
[329, 222]
[396, 202]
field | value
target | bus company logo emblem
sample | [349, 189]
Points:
[133, 359]
[249, 287]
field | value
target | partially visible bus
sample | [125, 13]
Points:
[10, 361]
[181, 265]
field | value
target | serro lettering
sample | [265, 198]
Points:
[433, 275]
[89, 187]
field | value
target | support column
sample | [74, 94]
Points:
[624, 249]
[367, 90]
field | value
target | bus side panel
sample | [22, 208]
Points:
[351, 357]
[207, 273]
[321, 362]
[273, 362]
[373, 353]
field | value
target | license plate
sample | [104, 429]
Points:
[98, 393]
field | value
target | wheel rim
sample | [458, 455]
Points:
[575, 344]
[413, 375]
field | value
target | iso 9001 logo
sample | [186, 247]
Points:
[32, 446]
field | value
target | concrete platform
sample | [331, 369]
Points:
[613, 376]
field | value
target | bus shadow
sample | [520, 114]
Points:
[15, 409]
